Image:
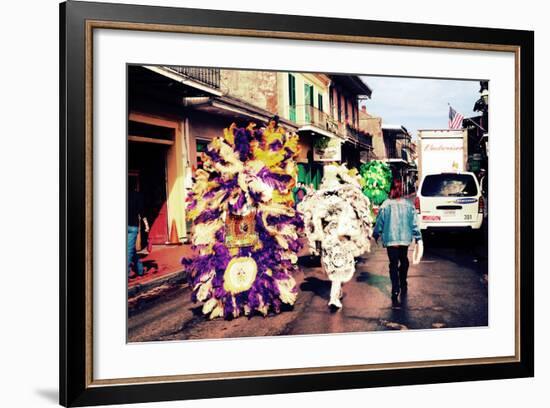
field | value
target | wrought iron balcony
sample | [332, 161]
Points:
[391, 153]
[358, 136]
[206, 76]
[392, 150]
[310, 115]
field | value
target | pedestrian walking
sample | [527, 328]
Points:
[135, 216]
[397, 225]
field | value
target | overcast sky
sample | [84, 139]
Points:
[418, 103]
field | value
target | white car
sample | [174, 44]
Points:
[449, 200]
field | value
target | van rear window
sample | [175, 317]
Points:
[449, 185]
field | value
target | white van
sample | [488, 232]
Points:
[449, 200]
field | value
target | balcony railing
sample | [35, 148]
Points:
[358, 136]
[206, 76]
[310, 115]
[392, 151]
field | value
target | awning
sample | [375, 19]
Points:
[236, 109]
[396, 161]
[316, 130]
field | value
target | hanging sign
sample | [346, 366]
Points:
[332, 152]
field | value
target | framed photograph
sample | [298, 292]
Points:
[258, 203]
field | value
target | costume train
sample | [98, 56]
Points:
[338, 221]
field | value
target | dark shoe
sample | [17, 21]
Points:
[142, 271]
[394, 301]
[394, 296]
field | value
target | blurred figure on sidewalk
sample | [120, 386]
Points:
[135, 216]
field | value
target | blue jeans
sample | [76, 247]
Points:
[132, 254]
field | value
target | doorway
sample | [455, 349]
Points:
[147, 164]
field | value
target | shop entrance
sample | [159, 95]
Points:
[147, 169]
[310, 174]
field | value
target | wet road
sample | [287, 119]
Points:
[447, 289]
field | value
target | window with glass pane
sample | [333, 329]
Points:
[345, 109]
[449, 185]
[331, 101]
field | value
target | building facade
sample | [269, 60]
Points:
[372, 125]
[347, 91]
[322, 109]
[159, 136]
[478, 131]
[400, 154]
[174, 112]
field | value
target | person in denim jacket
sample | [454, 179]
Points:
[397, 224]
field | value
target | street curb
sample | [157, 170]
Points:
[170, 279]
[142, 290]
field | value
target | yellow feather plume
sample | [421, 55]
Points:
[269, 158]
[228, 135]
[292, 143]
[204, 234]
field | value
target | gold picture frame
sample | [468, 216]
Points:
[77, 383]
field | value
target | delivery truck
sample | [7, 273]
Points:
[448, 195]
[442, 150]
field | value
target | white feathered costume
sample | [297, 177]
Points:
[337, 218]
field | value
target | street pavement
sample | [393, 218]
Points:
[448, 289]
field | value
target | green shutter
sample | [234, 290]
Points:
[292, 97]
[302, 174]
[316, 175]
[308, 101]
[320, 101]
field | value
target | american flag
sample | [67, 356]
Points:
[455, 119]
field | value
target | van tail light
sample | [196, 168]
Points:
[481, 205]
[417, 203]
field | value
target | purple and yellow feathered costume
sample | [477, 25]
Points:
[244, 225]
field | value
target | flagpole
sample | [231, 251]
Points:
[476, 124]
[471, 121]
